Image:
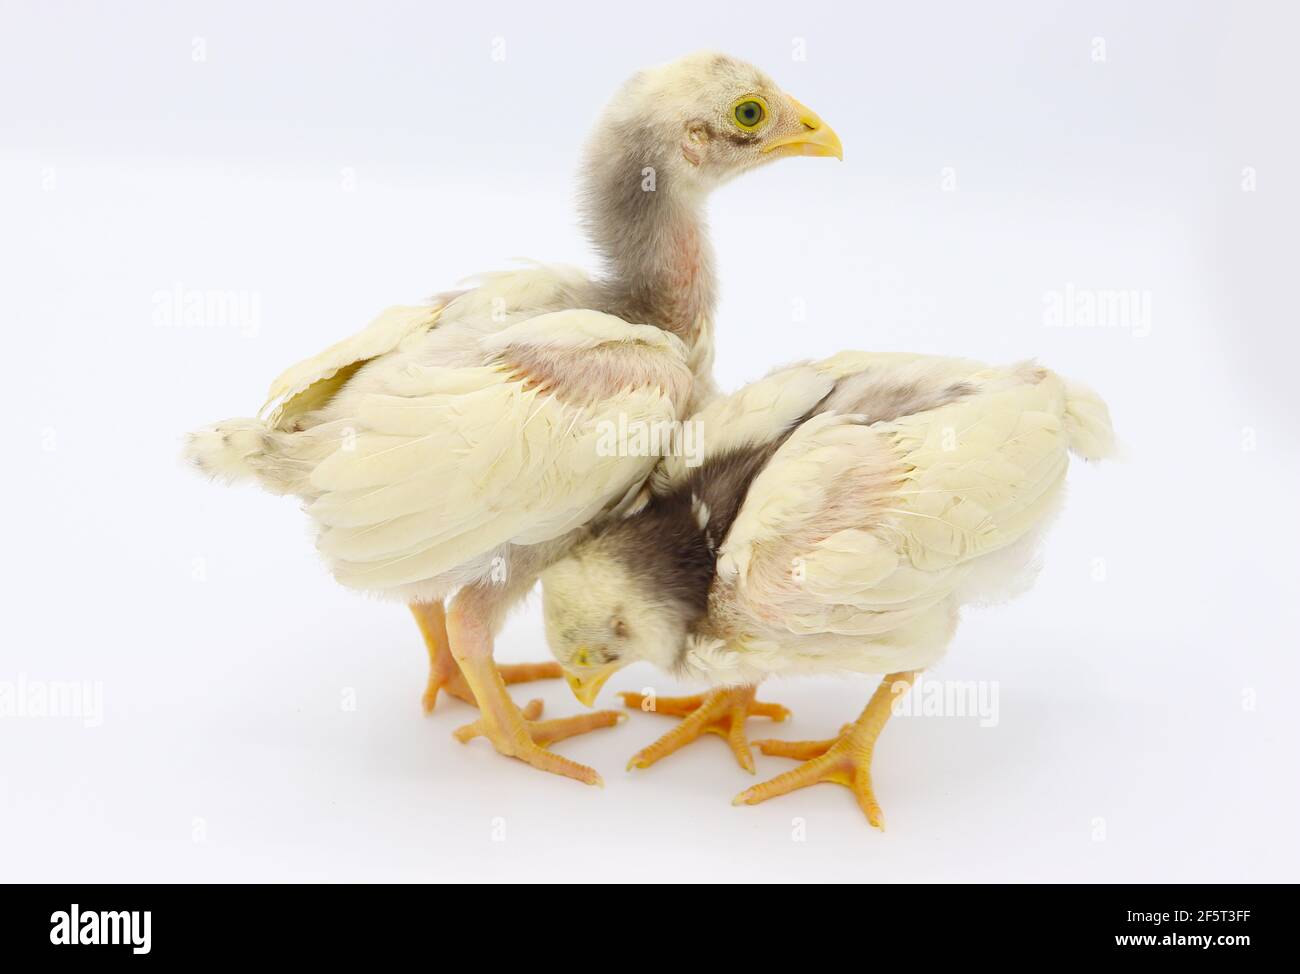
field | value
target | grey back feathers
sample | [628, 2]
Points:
[879, 397]
[670, 544]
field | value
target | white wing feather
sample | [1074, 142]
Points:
[867, 531]
[438, 434]
[468, 459]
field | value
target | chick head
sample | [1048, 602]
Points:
[630, 593]
[709, 117]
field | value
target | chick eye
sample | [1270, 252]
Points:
[749, 113]
[620, 628]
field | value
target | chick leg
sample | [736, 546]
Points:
[846, 760]
[444, 674]
[722, 711]
[514, 733]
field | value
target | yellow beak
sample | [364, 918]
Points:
[817, 138]
[586, 685]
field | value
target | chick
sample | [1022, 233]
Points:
[456, 448]
[844, 512]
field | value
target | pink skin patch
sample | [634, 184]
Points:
[679, 294]
[580, 376]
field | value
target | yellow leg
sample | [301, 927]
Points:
[846, 760]
[515, 733]
[444, 674]
[723, 712]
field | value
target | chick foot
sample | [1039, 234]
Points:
[844, 760]
[799, 750]
[518, 733]
[722, 711]
[445, 675]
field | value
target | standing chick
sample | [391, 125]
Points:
[456, 448]
[844, 512]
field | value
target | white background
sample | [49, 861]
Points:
[330, 159]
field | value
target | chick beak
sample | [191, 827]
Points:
[586, 685]
[816, 139]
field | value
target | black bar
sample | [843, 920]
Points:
[333, 923]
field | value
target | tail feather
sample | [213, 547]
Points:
[1087, 423]
[245, 449]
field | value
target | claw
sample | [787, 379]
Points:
[845, 760]
[519, 734]
[722, 711]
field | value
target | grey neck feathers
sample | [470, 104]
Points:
[658, 265]
[671, 545]
[664, 548]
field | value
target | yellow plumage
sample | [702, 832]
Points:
[858, 541]
[312, 383]
[437, 435]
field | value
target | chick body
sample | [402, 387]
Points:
[849, 508]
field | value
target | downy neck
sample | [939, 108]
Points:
[650, 232]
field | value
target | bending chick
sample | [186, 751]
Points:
[844, 512]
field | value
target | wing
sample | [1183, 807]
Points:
[862, 529]
[313, 383]
[433, 466]
[881, 384]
